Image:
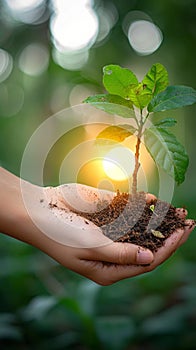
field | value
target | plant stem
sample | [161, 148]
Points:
[137, 154]
[146, 117]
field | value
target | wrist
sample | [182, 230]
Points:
[13, 214]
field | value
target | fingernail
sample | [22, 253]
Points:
[190, 223]
[144, 256]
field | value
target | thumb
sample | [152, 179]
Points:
[122, 254]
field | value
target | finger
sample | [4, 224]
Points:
[120, 253]
[107, 273]
[84, 198]
[103, 273]
[163, 253]
[169, 247]
[190, 225]
[150, 197]
[181, 213]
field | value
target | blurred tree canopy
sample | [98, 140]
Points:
[43, 306]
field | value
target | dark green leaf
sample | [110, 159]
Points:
[112, 104]
[156, 80]
[8, 327]
[172, 97]
[114, 331]
[10, 332]
[167, 122]
[117, 132]
[118, 81]
[39, 307]
[167, 152]
[87, 296]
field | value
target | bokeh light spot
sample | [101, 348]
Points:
[74, 30]
[73, 60]
[11, 99]
[132, 17]
[28, 11]
[6, 65]
[144, 37]
[34, 59]
[65, 5]
[108, 16]
[21, 5]
[79, 93]
[58, 98]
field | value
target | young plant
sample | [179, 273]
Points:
[129, 98]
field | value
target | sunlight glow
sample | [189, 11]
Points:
[118, 163]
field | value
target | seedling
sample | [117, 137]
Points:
[129, 98]
[152, 207]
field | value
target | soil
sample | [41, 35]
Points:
[130, 219]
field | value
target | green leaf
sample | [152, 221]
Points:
[172, 97]
[112, 104]
[118, 81]
[167, 152]
[156, 80]
[117, 133]
[165, 123]
[140, 96]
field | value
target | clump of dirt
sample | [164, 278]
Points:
[130, 219]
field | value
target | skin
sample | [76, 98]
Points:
[24, 208]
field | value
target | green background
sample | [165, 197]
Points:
[44, 306]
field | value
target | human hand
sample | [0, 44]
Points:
[81, 246]
[46, 219]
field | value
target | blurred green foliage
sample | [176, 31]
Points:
[44, 306]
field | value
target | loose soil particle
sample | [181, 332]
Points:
[130, 219]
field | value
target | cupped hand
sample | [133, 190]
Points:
[48, 219]
[81, 246]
